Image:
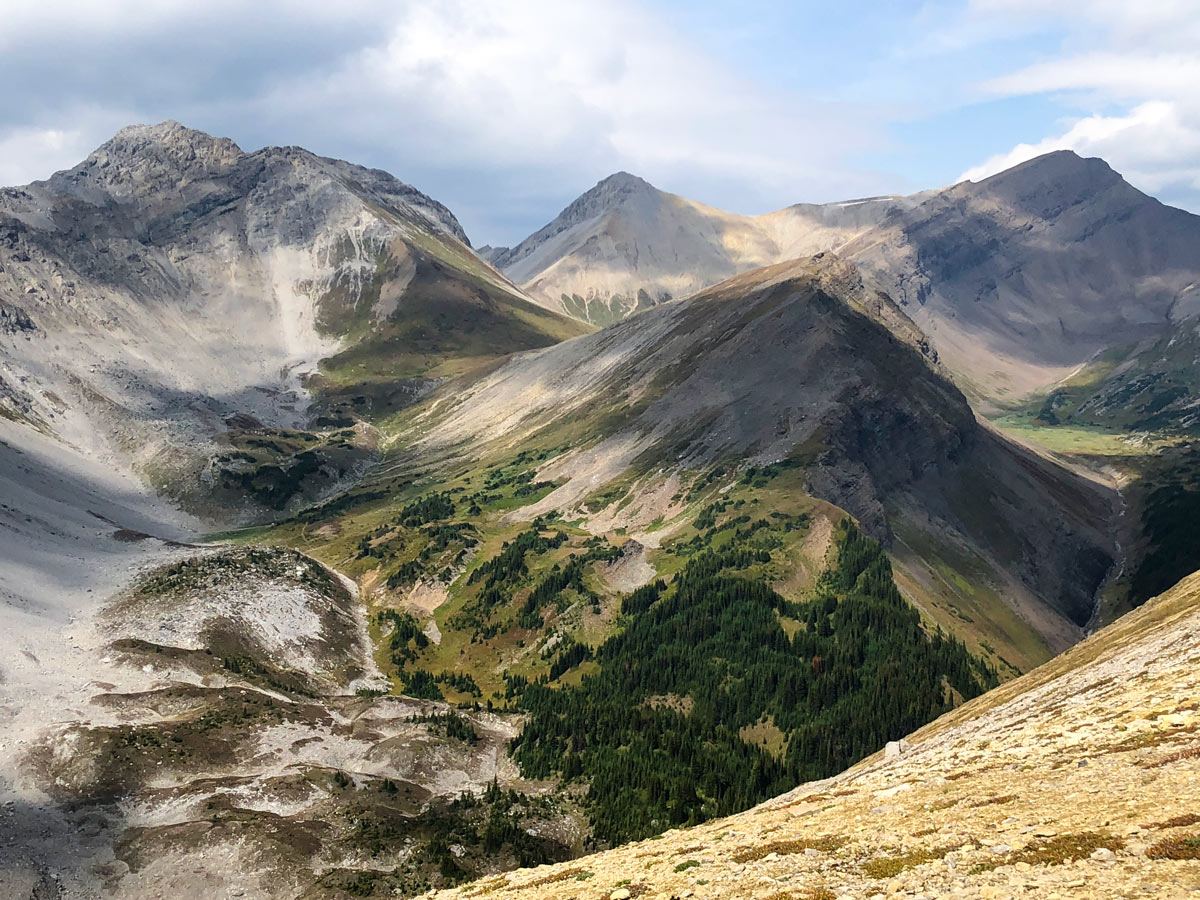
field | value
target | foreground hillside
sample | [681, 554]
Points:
[1080, 779]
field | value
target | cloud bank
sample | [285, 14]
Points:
[505, 111]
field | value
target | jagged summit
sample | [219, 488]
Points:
[609, 193]
[612, 193]
[171, 137]
[143, 159]
[168, 170]
[622, 183]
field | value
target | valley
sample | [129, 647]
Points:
[342, 559]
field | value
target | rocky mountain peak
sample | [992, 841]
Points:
[614, 192]
[148, 159]
[171, 139]
[609, 193]
[1047, 184]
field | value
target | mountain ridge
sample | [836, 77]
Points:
[1017, 279]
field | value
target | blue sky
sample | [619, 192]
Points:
[506, 110]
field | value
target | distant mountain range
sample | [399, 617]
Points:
[1018, 279]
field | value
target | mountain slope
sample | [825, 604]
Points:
[1077, 779]
[1028, 274]
[172, 292]
[185, 324]
[625, 246]
[797, 366]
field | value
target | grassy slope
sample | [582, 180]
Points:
[1159, 482]
[448, 315]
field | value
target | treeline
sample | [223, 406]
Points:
[859, 671]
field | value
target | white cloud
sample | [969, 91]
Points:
[44, 150]
[1152, 145]
[480, 104]
[592, 88]
[1133, 69]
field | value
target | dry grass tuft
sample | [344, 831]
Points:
[1184, 846]
[1186, 753]
[1057, 850]
[826, 844]
[890, 866]
[1176, 822]
[991, 801]
[564, 875]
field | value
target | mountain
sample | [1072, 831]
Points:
[193, 337]
[659, 512]
[1017, 280]
[1022, 791]
[172, 294]
[800, 365]
[1027, 275]
[625, 246]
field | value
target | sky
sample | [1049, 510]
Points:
[506, 110]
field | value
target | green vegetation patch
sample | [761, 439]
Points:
[454, 842]
[861, 672]
[825, 844]
[1184, 846]
[1057, 850]
[890, 866]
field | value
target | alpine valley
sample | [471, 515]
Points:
[341, 559]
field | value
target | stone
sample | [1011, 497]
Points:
[896, 749]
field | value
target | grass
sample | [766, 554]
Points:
[1176, 822]
[954, 587]
[1056, 850]
[1158, 615]
[993, 801]
[1073, 440]
[826, 844]
[882, 867]
[1184, 846]
[567, 874]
